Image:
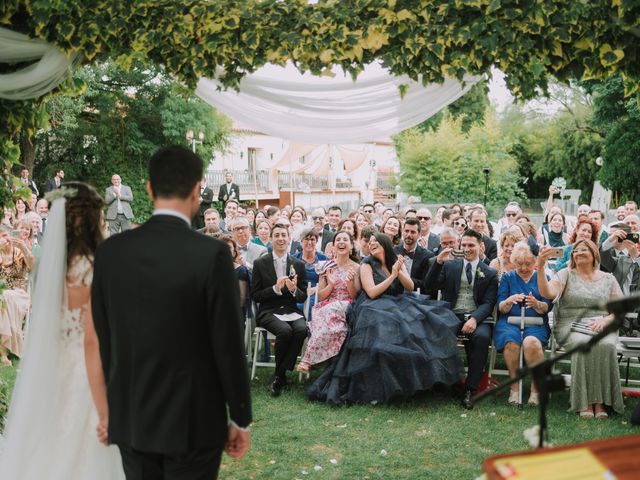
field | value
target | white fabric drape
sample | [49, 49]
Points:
[36, 79]
[286, 104]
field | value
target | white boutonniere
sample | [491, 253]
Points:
[479, 273]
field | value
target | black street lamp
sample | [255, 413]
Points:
[486, 171]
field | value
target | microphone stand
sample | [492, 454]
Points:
[548, 382]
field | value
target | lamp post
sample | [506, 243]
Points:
[486, 171]
[193, 140]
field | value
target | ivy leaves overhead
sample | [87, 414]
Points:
[425, 39]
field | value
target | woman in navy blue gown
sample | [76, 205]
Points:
[398, 344]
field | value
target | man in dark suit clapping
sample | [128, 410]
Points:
[171, 335]
[416, 258]
[471, 287]
[279, 284]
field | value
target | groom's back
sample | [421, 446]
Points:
[170, 313]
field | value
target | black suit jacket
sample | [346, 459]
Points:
[170, 330]
[327, 236]
[446, 277]
[222, 193]
[419, 267]
[264, 278]
[205, 203]
[50, 184]
[490, 249]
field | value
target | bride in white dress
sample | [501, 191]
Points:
[51, 426]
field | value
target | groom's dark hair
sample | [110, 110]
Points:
[174, 171]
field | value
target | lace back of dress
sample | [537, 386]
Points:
[79, 274]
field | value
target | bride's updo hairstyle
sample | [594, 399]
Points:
[83, 210]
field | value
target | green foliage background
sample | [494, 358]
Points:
[117, 123]
[446, 164]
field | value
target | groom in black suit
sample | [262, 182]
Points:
[471, 287]
[416, 258]
[279, 284]
[171, 335]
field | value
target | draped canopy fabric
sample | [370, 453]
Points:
[50, 66]
[284, 103]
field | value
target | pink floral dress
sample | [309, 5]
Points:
[329, 326]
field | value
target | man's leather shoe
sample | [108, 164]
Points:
[277, 385]
[466, 400]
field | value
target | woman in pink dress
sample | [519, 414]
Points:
[339, 285]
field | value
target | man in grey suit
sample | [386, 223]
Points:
[118, 198]
[241, 232]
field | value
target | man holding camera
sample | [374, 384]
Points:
[279, 284]
[471, 288]
[620, 254]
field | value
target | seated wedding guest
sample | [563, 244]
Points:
[27, 236]
[398, 344]
[386, 213]
[210, 217]
[334, 215]
[345, 225]
[448, 217]
[15, 263]
[263, 233]
[298, 219]
[553, 233]
[36, 226]
[631, 207]
[230, 212]
[391, 227]
[260, 215]
[456, 207]
[7, 217]
[511, 212]
[363, 220]
[279, 284]
[338, 286]
[439, 224]
[21, 209]
[212, 231]
[584, 230]
[365, 238]
[416, 258]
[620, 257]
[294, 245]
[595, 379]
[42, 209]
[427, 238]
[32, 202]
[318, 219]
[502, 264]
[517, 287]
[478, 222]
[460, 225]
[529, 231]
[243, 274]
[311, 259]
[247, 250]
[597, 218]
[251, 216]
[471, 288]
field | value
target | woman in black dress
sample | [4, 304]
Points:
[398, 343]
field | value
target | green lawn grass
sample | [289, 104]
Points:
[428, 437]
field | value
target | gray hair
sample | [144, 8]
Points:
[521, 250]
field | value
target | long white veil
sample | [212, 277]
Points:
[34, 402]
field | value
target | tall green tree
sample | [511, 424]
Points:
[117, 123]
[618, 117]
[447, 164]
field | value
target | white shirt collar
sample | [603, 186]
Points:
[474, 264]
[173, 213]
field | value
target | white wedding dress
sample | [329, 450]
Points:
[51, 427]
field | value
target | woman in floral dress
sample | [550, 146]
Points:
[339, 285]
